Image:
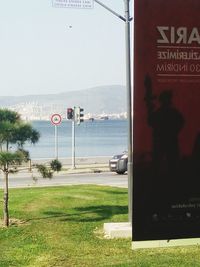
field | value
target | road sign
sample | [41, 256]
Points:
[56, 119]
[86, 4]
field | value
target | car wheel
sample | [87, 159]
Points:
[120, 172]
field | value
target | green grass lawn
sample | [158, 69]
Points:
[62, 226]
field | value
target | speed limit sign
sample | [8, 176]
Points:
[56, 119]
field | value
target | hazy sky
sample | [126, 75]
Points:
[50, 50]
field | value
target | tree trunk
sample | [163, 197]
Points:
[5, 198]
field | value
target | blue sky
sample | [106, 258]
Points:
[45, 50]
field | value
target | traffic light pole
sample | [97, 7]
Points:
[127, 19]
[73, 143]
[76, 119]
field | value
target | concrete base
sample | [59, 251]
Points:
[165, 243]
[118, 230]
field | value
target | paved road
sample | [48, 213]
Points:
[103, 178]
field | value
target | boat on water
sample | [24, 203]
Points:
[104, 118]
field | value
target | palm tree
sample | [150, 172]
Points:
[13, 131]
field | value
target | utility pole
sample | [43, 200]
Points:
[127, 19]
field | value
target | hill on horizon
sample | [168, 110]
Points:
[96, 100]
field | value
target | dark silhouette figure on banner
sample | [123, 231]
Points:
[196, 149]
[194, 166]
[166, 122]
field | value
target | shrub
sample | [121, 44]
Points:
[56, 165]
[44, 171]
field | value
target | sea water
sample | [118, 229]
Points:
[92, 138]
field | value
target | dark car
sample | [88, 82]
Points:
[119, 163]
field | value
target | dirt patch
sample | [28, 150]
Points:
[13, 222]
[99, 233]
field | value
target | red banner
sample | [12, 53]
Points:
[166, 119]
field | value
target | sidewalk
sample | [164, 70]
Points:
[78, 160]
[78, 170]
[82, 165]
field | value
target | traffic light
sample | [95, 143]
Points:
[79, 115]
[70, 113]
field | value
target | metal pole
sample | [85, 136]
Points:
[109, 9]
[129, 107]
[127, 20]
[73, 144]
[56, 142]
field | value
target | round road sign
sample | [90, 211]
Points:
[56, 119]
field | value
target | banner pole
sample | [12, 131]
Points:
[129, 107]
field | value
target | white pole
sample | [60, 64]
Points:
[73, 144]
[56, 142]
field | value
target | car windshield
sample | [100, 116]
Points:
[117, 156]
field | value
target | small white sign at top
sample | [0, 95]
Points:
[74, 3]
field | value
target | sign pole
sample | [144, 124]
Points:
[56, 120]
[56, 142]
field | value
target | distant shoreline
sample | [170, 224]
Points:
[79, 160]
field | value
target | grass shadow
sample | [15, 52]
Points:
[87, 214]
[97, 213]
[114, 192]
